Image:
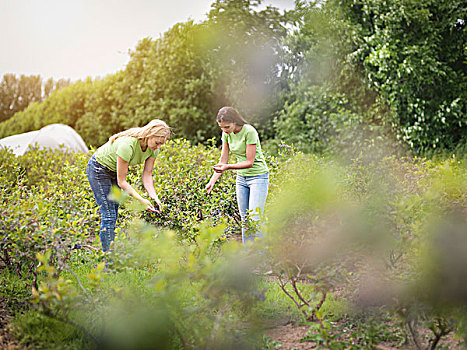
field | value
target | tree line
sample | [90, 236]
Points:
[325, 76]
[18, 92]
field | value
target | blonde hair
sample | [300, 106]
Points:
[155, 127]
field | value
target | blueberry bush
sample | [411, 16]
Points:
[384, 238]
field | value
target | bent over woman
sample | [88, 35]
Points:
[252, 182]
[109, 167]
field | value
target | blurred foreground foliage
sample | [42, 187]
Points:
[387, 233]
[383, 236]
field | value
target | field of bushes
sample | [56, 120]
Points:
[365, 252]
[361, 109]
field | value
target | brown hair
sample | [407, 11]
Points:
[230, 115]
[155, 127]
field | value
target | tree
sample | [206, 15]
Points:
[183, 77]
[168, 79]
[244, 47]
[16, 93]
[413, 54]
[326, 106]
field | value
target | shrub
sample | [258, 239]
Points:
[46, 205]
[181, 173]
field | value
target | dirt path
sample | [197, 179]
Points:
[7, 342]
[289, 335]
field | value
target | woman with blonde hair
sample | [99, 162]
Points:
[109, 167]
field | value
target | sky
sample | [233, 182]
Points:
[76, 39]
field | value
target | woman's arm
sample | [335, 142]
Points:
[122, 171]
[148, 181]
[223, 160]
[248, 163]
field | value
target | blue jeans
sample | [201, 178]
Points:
[251, 194]
[101, 180]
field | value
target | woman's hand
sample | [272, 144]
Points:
[149, 206]
[209, 187]
[159, 205]
[220, 168]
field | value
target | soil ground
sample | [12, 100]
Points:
[7, 341]
[289, 335]
[286, 336]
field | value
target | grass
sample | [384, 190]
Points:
[43, 332]
[14, 290]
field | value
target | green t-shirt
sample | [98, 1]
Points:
[128, 148]
[237, 145]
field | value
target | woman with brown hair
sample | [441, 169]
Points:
[252, 182]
